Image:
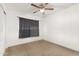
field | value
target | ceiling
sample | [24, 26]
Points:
[27, 8]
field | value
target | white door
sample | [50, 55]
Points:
[2, 31]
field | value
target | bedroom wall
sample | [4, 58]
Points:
[63, 27]
[44, 29]
[12, 28]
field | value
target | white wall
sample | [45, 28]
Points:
[44, 25]
[63, 27]
[2, 32]
[12, 28]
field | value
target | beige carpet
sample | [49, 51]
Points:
[39, 48]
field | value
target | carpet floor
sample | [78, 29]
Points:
[39, 48]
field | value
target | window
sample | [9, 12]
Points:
[28, 28]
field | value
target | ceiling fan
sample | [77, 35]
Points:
[42, 7]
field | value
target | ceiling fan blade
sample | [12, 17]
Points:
[35, 5]
[49, 8]
[36, 11]
[46, 4]
[43, 5]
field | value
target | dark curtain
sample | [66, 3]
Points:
[34, 28]
[28, 28]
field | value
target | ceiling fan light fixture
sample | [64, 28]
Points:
[42, 10]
